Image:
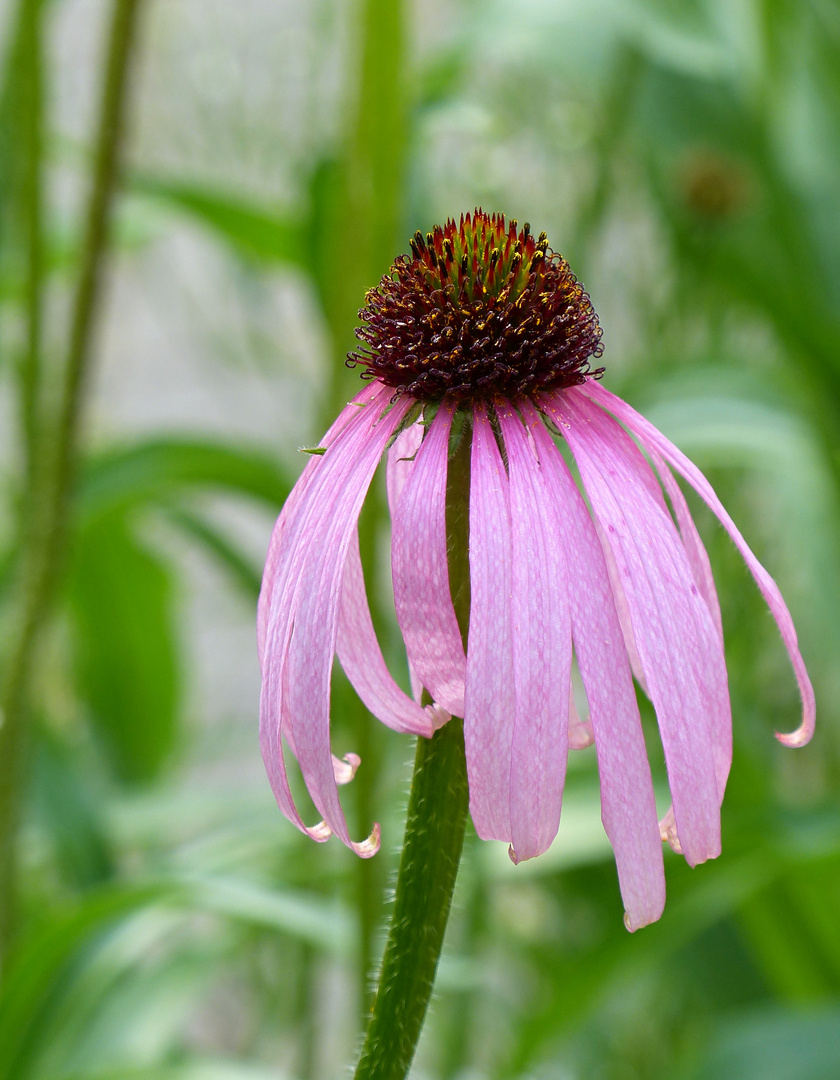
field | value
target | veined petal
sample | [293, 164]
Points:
[303, 610]
[290, 507]
[680, 651]
[489, 700]
[698, 557]
[542, 650]
[720, 720]
[361, 657]
[280, 589]
[400, 460]
[271, 747]
[622, 608]
[341, 493]
[628, 806]
[652, 439]
[421, 572]
[292, 540]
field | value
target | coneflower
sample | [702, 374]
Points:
[477, 351]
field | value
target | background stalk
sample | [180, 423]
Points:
[44, 535]
[434, 838]
[364, 231]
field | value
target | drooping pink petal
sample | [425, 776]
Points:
[290, 507]
[400, 460]
[303, 611]
[489, 700]
[680, 651]
[628, 806]
[421, 572]
[622, 608]
[278, 597]
[314, 635]
[652, 439]
[271, 747]
[720, 720]
[542, 650]
[361, 657]
[698, 557]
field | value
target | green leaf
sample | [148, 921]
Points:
[240, 569]
[126, 657]
[154, 470]
[775, 1045]
[32, 979]
[253, 230]
[191, 1069]
[326, 926]
[75, 977]
[66, 805]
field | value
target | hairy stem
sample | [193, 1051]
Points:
[434, 837]
[46, 530]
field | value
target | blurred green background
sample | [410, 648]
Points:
[160, 919]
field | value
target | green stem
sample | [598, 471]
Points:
[367, 228]
[434, 838]
[45, 541]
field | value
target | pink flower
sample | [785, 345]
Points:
[485, 324]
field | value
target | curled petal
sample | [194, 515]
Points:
[653, 440]
[303, 608]
[345, 768]
[680, 650]
[271, 743]
[421, 572]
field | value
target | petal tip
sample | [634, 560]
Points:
[581, 735]
[799, 738]
[345, 768]
[668, 832]
[438, 717]
[320, 832]
[368, 848]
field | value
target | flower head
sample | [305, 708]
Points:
[484, 334]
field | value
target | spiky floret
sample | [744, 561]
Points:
[480, 309]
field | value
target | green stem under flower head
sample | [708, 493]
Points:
[434, 837]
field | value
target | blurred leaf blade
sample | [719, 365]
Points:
[154, 469]
[34, 968]
[121, 597]
[250, 229]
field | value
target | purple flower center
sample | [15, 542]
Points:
[479, 310]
